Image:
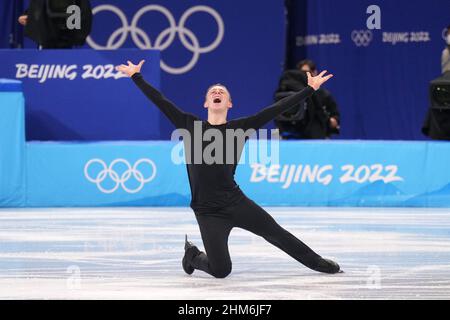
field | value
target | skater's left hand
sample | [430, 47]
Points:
[318, 80]
[131, 68]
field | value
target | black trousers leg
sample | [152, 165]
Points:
[251, 217]
[215, 231]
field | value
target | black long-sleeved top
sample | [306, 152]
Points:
[212, 184]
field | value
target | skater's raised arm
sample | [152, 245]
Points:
[269, 113]
[175, 115]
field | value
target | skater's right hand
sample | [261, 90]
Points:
[130, 69]
[318, 80]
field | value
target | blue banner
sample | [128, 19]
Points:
[383, 58]
[307, 174]
[352, 173]
[11, 32]
[12, 144]
[78, 95]
[238, 43]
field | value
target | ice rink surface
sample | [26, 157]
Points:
[135, 253]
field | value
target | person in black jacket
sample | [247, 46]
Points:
[437, 120]
[218, 202]
[317, 118]
[45, 22]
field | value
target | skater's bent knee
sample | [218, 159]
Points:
[222, 272]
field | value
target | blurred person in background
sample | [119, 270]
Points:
[437, 119]
[445, 60]
[45, 22]
[317, 118]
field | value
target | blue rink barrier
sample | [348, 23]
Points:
[353, 173]
[128, 173]
[104, 174]
[12, 144]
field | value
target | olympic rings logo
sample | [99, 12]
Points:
[362, 38]
[119, 179]
[165, 38]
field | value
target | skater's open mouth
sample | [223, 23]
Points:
[217, 100]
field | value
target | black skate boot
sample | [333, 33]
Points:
[190, 251]
[327, 266]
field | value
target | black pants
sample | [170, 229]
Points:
[215, 227]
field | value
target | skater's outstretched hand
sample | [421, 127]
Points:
[318, 80]
[131, 68]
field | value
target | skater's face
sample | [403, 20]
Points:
[306, 68]
[218, 98]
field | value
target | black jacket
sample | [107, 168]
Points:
[50, 31]
[314, 122]
[437, 124]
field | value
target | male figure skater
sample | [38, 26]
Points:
[218, 202]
